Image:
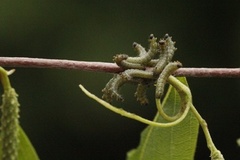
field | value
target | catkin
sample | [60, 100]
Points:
[10, 125]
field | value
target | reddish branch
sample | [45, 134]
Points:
[58, 63]
[109, 67]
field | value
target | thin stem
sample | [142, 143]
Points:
[185, 95]
[4, 79]
[134, 116]
[109, 67]
[209, 72]
[215, 153]
[58, 64]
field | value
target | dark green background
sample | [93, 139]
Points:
[63, 123]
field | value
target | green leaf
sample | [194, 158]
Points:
[172, 143]
[26, 150]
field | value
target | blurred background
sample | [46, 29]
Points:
[63, 123]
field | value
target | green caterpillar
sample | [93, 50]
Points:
[167, 71]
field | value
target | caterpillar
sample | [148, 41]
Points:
[170, 47]
[121, 59]
[167, 49]
[140, 62]
[134, 73]
[111, 89]
[128, 65]
[146, 57]
[161, 81]
[140, 50]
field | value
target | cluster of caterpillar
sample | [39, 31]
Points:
[136, 69]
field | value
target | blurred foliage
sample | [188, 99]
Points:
[62, 123]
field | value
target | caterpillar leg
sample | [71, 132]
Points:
[140, 93]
